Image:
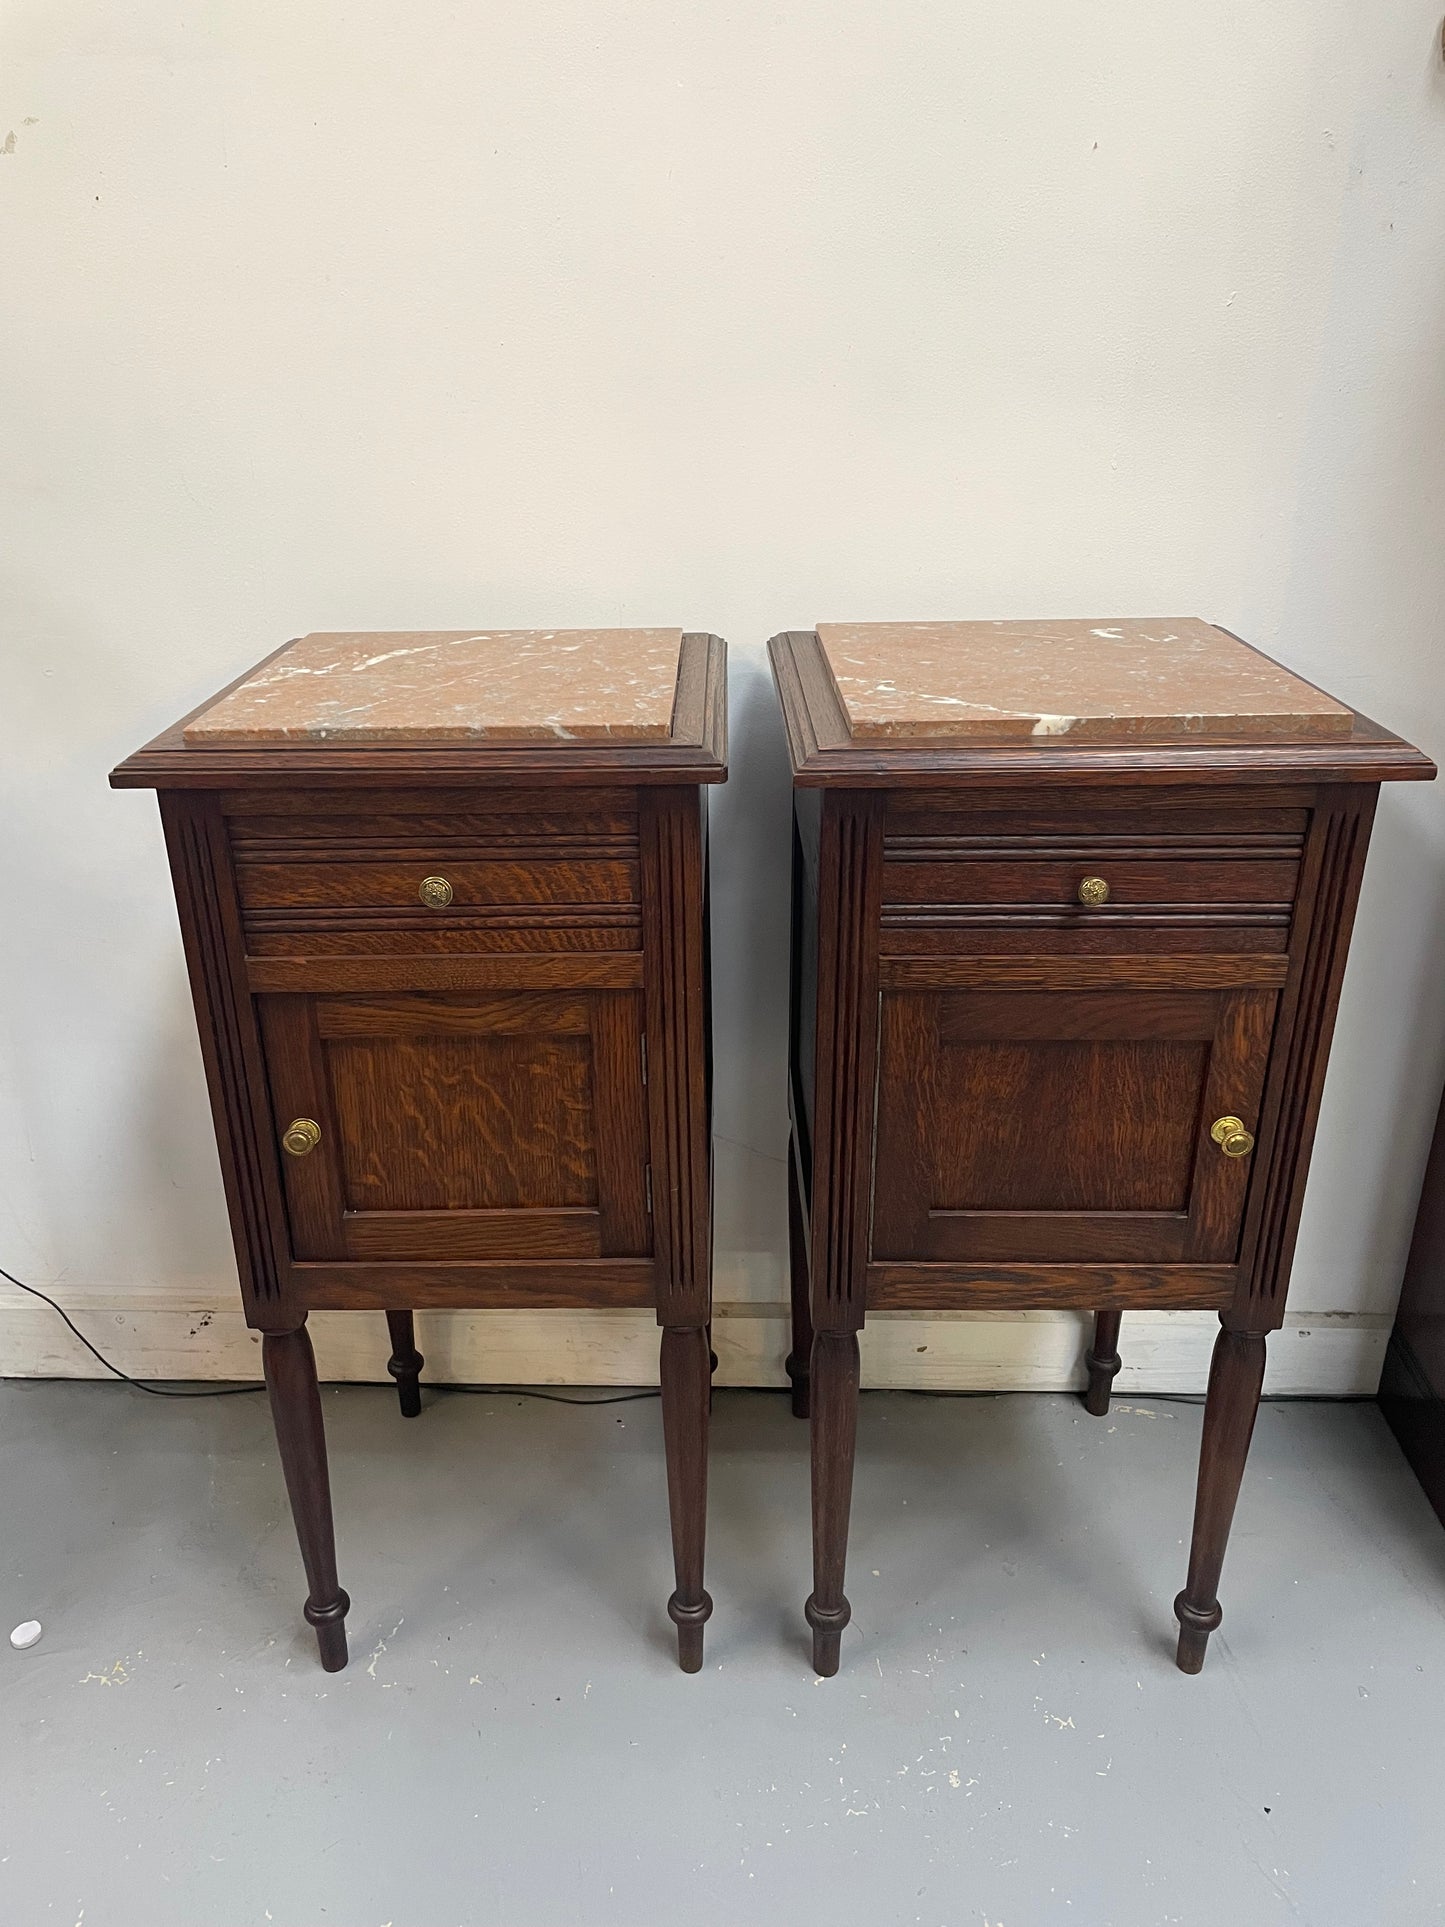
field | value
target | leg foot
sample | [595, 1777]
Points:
[1194, 1631]
[290, 1368]
[834, 1429]
[800, 1357]
[827, 1635]
[405, 1362]
[1103, 1362]
[1236, 1376]
[330, 1631]
[686, 1388]
[689, 1621]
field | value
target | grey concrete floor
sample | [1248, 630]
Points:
[1008, 1742]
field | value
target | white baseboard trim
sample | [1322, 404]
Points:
[1316, 1354]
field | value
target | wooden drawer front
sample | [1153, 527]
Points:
[475, 885]
[517, 880]
[1065, 1127]
[1201, 878]
[463, 1126]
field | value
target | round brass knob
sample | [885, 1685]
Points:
[301, 1136]
[1231, 1137]
[1093, 890]
[435, 892]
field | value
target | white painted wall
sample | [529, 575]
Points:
[737, 316]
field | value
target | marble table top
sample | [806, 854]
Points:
[1127, 680]
[454, 686]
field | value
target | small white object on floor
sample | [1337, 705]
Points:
[25, 1634]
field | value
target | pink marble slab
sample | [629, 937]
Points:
[1132, 680]
[454, 686]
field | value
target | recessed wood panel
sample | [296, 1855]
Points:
[1070, 1127]
[455, 1122]
[1064, 1126]
[487, 1125]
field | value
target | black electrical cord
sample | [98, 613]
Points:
[553, 1398]
[236, 1391]
[155, 1391]
[492, 1392]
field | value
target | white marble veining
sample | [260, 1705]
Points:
[1129, 679]
[496, 685]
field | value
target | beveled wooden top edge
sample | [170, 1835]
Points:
[696, 751]
[824, 755]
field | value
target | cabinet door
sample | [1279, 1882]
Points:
[1065, 1126]
[465, 1125]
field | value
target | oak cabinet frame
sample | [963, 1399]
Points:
[453, 1011]
[1010, 1090]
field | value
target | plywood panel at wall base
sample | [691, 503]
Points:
[1321, 1355]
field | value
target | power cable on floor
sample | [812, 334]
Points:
[155, 1391]
[491, 1391]
[236, 1391]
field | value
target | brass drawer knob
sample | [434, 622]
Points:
[301, 1136]
[1093, 890]
[1231, 1137]
[435, 892]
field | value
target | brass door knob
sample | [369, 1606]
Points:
[1093, 890]
[301, 1136]
[435, 892]
[1231, 1137]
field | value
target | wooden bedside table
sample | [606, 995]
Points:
[1071, 903]
[444, 902]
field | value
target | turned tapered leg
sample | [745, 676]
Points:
[1236, 1374]
[834, 1433]
[290, 1368]
[800, 1357]
[405, 1362]
[686, 1387]
[1103, 1362]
